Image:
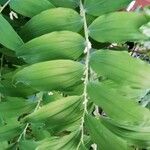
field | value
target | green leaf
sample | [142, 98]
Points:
[7, 88]
[75, 90]
[26, 144]
[65, 3]
[107, 28]
[99, 7]
[3, 145]
[12, 147]
[10, 130]
[68, 142]
[9, 38]
[30, 8]
[103, 137]
[14, 107]
[39, 131]
[136, 135]
[58, 114]
[51, 96]
[117, 106]
[56, 19]
[51, 75]
[55, 45]
[121, 68]
[126, 90]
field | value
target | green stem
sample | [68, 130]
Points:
[3, 7]
[86, 72]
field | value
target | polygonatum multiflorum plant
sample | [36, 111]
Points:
[68, 80]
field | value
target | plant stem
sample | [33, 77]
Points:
[3, 7]
[23, 133]
[86, 73]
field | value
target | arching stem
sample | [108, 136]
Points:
[86, 72]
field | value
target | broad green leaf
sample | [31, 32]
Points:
[30, 8]
[103, 137]
[51, 96]
[51, 75]
[14, 107]
[126, 90]
[117, 106]
[136, 135]
[99, 7]
[56, 19]
[55, 45]
[26, 144]
[12, 146]
[118, 27]
[68, 142]
[8, 37]
[7, 88]
[65, 3]
[39, 131]
[58, 114]
[121, 68]
[10, 130]
[3, 145]
[75, 90]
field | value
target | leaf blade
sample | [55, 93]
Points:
[12, 42]
[55, 45]
[107, 28]
[97, 8]
[56, 19]
[103, 137]
[51, 75]
[30, 8]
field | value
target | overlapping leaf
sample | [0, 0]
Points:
[30, 8]
[136, 135]
[117, 106]
[58, 114]
[3, 145]
[121, 68]
[10, 130]
[51, 75]
[68, 142]
[125, 90]
[118, 27]
[56, 19]
[55, 45]
[14, 107]
[9, 38]
[7, 88]
[65, 3]
[24, 145]
[103, 137]
[99, 7]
